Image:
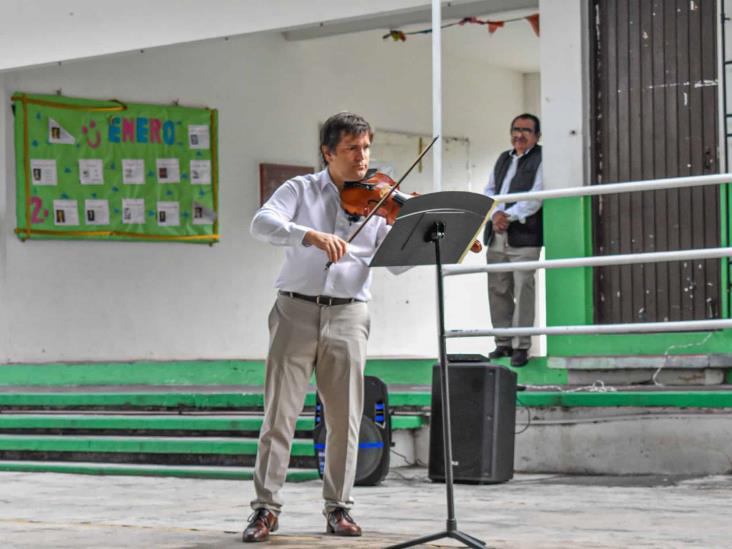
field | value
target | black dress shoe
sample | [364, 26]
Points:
[340, 523]
[261, 523]
[500, 352]
[519, 358]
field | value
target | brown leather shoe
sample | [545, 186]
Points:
[340, 523]
[261, 523]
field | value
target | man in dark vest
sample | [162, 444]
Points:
[514, 233]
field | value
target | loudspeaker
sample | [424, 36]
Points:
[482, 418]
[374, 440]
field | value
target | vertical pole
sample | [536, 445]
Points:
[437, 94]
[437, 235]
[723, 67]
[725, 190]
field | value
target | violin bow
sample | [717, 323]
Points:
[387, 195]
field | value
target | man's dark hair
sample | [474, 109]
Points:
[537, 124]
[338, 125]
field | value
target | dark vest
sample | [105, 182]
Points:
[530, 233]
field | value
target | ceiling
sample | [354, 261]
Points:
[39, 32]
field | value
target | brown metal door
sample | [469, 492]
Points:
[655, 116]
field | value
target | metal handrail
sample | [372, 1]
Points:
[591, 329]
[595, 261]
[592, 261]
[613, 188]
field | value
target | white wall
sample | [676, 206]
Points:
[532, 92]
[67, 300]
[7, 216]
[564, 92]
[53, 31]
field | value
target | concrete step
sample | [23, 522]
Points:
[160, 424]
[406, 399]
[128, 469]
[162, 439]
[166, 450]
[141, 444]
[170, 398]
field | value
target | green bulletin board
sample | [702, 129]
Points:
[108, 170]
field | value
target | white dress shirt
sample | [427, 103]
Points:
[520, 210]
[313, 202]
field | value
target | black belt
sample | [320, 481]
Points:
[322, 299]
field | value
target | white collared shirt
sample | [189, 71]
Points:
[525, 208]
[313, 202]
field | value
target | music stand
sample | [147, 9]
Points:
[436, 229]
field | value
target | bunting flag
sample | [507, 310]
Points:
[492, 26]
[534, 22]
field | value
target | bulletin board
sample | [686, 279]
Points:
[272, 176]
[110, 170]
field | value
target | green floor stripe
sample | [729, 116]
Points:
[397, 399]
[134, 400]
[676, 399]
[165, 423]
[170, 400]
[159, 423]
[218, 473]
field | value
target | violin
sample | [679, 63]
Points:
[359, 198]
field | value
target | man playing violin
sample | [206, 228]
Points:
[319, 323]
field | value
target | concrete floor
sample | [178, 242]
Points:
[530, 511]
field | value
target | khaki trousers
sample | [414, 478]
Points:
[331, 341]
[511, 295]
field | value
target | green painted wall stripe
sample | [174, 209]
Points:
[223, 373]
[170, 423]
[219, 473]
[199, 372]
[408, 422]
[536, 372]
[679, 343]
[402, 372]
[202, 372]
[151, 445]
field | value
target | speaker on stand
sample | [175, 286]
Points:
[483, 412]
[374, 440]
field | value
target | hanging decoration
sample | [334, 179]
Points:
[492, 25]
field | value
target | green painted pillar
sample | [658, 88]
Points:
[567, 233]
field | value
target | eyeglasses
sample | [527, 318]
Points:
[519, 129]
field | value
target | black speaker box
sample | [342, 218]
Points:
[482, 418]
[374, 440]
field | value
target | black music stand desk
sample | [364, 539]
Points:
[437, 229]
